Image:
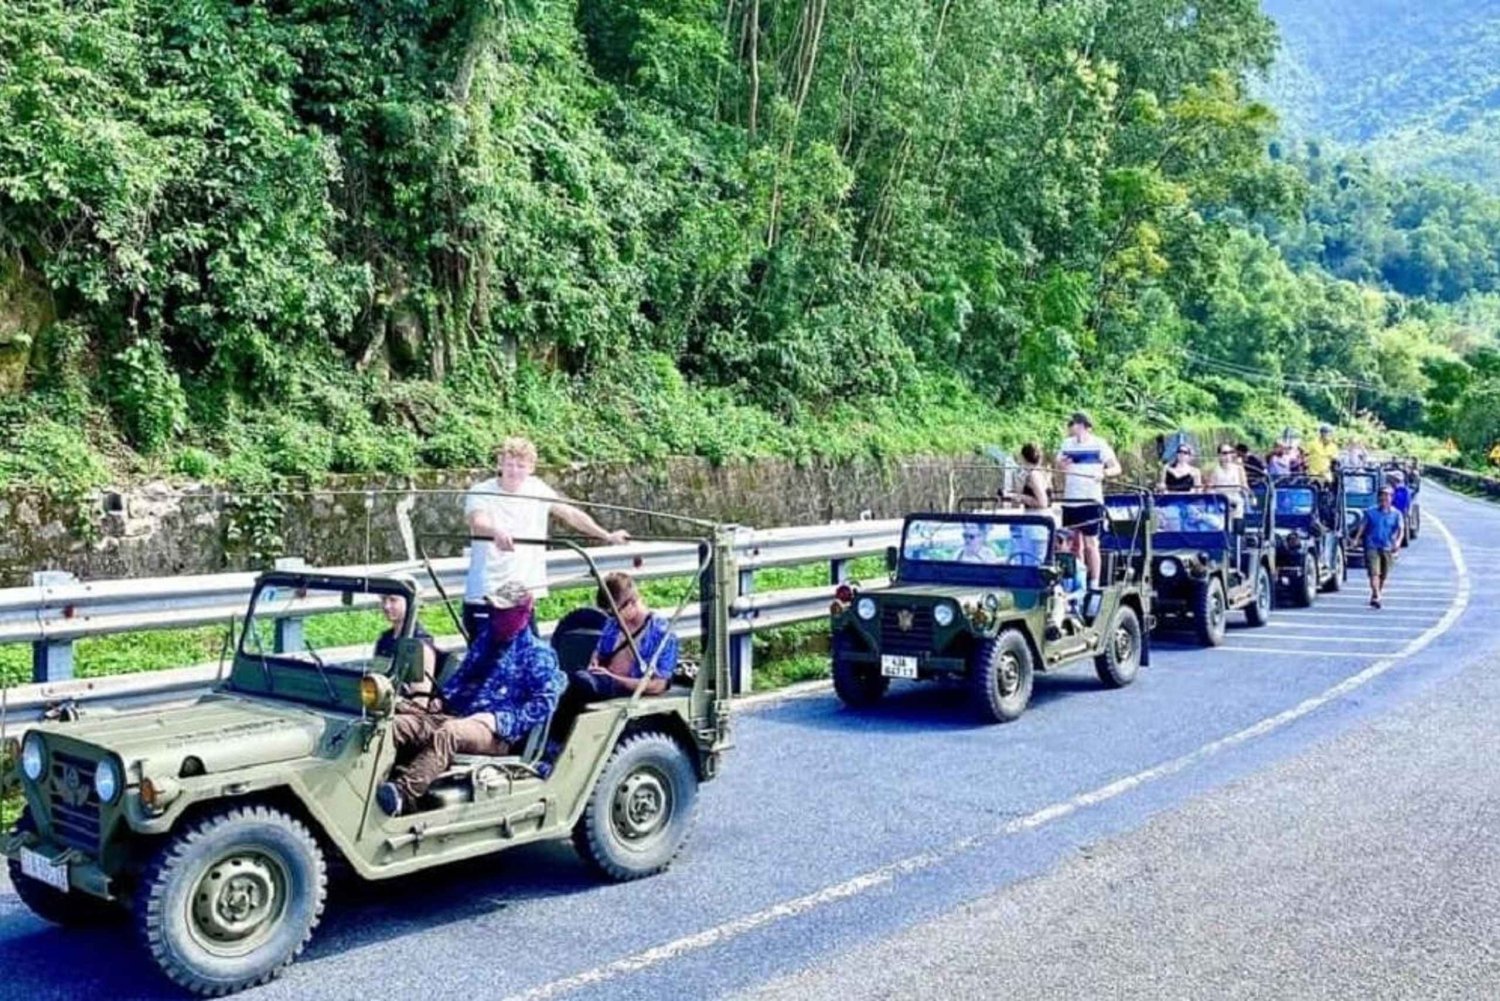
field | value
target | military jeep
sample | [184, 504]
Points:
[214, 824]
[1213, 555]
[976, 598]
[1359, 487]
[1310, 541]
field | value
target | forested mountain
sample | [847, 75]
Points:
[290, 236]
[1416, 83]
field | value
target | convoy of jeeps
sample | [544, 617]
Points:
[214, 825]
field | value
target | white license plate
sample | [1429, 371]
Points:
[39, 867]
[898, 667]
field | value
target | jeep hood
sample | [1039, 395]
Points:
[225, 732]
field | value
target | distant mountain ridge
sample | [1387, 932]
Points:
[1417, 84]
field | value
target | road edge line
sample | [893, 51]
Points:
[926, 860]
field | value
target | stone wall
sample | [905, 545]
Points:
[159, 529]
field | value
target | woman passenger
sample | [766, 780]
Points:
[1180, 475]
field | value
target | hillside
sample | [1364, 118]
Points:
[1415, 84]
[247, 240]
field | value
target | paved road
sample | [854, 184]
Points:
[1305, 812]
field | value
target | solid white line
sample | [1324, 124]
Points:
[927, 860]
[1310, 654]
[1277, 624]
[1270, 633]
[1380, 615]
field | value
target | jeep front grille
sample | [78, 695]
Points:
[73, 803]
[914, 640]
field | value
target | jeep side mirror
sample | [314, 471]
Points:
[892, 558]
[409, 661]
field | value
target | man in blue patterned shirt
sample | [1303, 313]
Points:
[509, 684]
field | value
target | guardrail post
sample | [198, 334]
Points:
[288, 638]
[838, 571]
[51, 660]
[741, 647]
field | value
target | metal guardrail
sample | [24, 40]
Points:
[1464, 478]
[58, 610]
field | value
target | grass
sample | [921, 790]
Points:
[782, 656]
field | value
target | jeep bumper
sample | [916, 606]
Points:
[84, 874]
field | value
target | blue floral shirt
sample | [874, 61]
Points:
[654, 635]
[519, 686]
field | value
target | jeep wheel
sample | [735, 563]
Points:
[1258, 612]
[229, 901]
[1306, 590]
[639, 815]
[1340, 572]
[857, 685]
[69, 910]
[1120, 661]
[1001, 677]
[1210, 610]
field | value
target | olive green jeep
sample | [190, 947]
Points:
[978, 598]
[214, 824]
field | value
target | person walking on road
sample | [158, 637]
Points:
[1086, 461]
[515, 504]
[1381, 531]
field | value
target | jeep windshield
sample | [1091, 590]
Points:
[1359, 491]
[311, 638]
[965, 549]
[1295, 507]
[1191, 521]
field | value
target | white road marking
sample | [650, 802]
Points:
[1271, 633]
[886, 874]
[1310, 654]
[1386, 614]
[1278, 624]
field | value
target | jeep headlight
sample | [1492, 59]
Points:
[1169, 568]
[865, 608]
[33, 757]
[943, 615]
[107, 780]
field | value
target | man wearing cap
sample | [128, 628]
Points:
[1086, 460]
[1381, 530]
[1320, 453]
[508, 685]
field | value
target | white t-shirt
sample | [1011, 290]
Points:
[522, 516]
[1090, 455]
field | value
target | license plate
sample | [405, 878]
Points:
[39, 867]
[898, 667]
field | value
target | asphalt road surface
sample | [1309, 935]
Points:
[1310, 811]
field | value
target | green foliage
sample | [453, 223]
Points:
[147, 394]
[301, 238]
[1414, 83]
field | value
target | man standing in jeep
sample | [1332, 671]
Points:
[1086, 460]
[515, 504]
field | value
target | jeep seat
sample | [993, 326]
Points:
[576, 637]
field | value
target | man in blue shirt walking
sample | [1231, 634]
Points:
[1381, 531]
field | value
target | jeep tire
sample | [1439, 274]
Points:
[642, 809]
[68, 910]
[1340, 571]
[1262, 597]
[1000, 677]
[230, 899]
[1120, 661]
[858, 686]
[1210, 612]
[1305, 590]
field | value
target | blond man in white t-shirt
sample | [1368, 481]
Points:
[515, 504]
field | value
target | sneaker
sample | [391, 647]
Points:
[389, 799]
[1374, 602]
